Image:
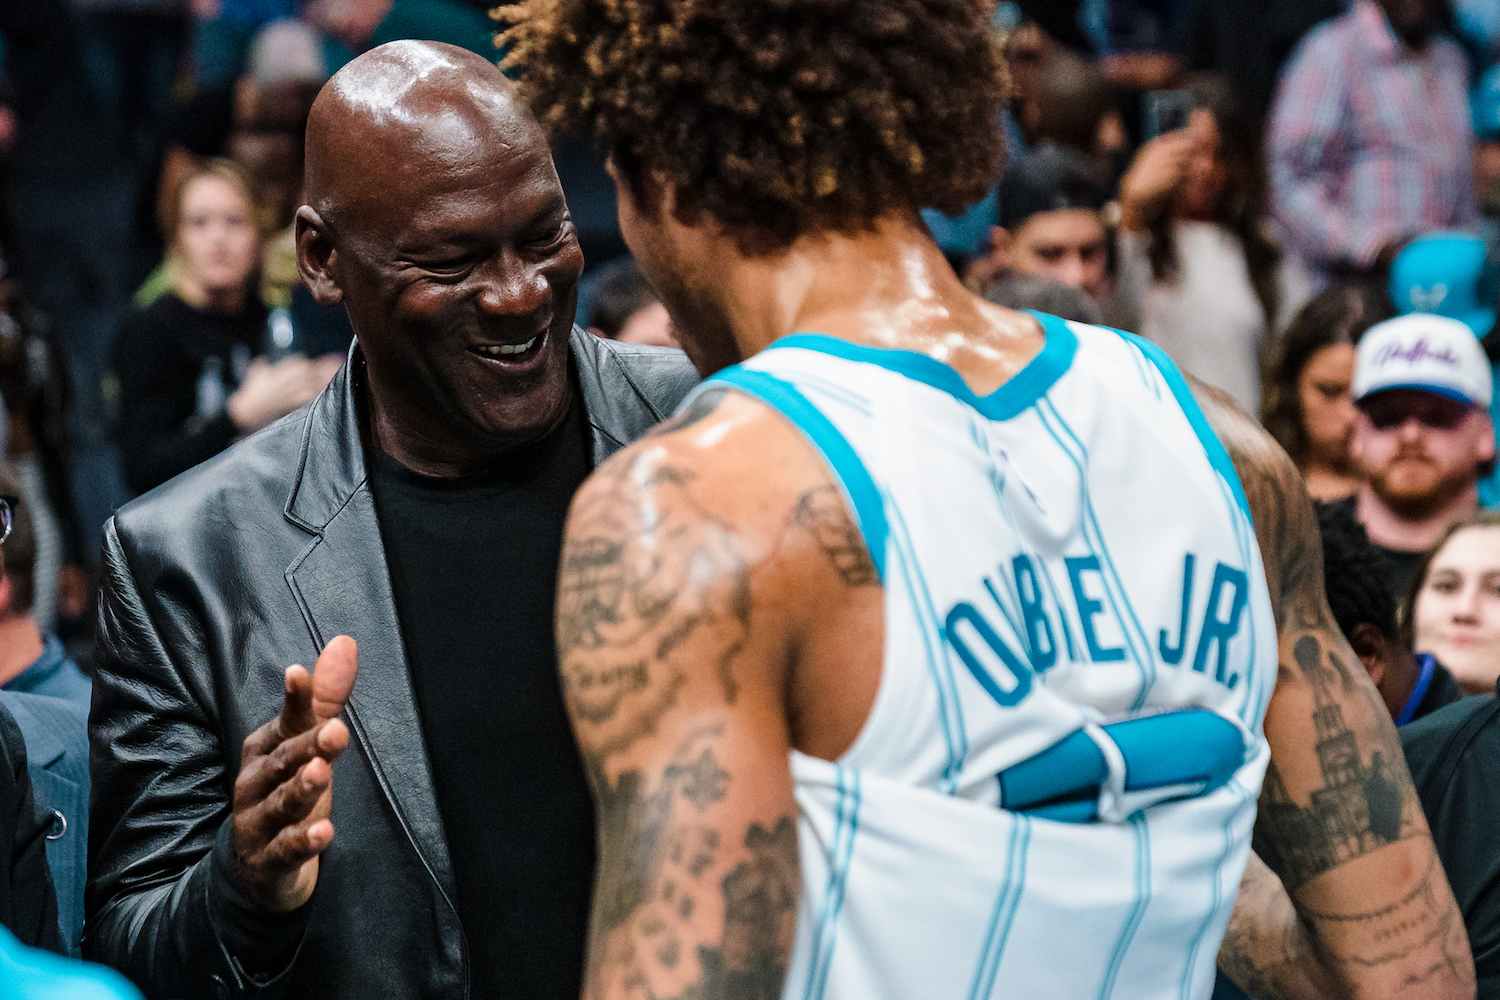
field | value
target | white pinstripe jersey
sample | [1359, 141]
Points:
[1053, 793]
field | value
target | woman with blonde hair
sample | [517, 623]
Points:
[189, 379]
[1453, 608]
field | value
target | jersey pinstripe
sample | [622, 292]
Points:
[1053, 794]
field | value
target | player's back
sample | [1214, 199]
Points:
[1053, 791]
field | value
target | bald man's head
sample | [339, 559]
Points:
[435, 215]
[404, 107]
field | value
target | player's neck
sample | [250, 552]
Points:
[886, 286]
[1411, 533]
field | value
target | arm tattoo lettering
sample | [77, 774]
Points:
[822, 513]
[658, 583]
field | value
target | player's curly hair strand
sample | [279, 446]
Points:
[777, 117]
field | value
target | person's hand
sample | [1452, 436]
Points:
[1153, 177]
[272, 390]
[285, 786]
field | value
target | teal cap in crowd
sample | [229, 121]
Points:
[1447, 274]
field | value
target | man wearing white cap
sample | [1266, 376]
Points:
[1424, 437]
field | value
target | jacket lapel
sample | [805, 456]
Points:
[343, 587]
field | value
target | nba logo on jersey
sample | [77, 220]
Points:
[1053, 793]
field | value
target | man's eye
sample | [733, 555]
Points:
[550, 240]
[456, 265]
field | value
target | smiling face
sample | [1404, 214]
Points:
[1457, 616]
[458, 262]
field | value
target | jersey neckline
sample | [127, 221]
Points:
[1011, 399]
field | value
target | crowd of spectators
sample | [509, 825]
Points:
[1298, 200]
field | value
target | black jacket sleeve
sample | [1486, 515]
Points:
[1452, 755]
[163, 906]
[159, 436]
[28, 905]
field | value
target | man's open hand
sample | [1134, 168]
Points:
[285, 786]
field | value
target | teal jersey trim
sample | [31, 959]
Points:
[864, 496]
[1217, 456]
[1009, 401]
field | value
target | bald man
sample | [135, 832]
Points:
[411, 818]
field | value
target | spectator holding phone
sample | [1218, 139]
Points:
[1196, 264]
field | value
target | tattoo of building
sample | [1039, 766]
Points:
[1357, 810]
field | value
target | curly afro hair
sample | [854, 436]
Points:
[775, 117]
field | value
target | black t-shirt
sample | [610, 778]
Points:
[1399, 567]
[473, 566]
[1452, 754]
[177, 367]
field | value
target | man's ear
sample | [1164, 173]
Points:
[316, 257]
[1372, 648]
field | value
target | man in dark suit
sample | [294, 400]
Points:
[28, 907]
[416, 506]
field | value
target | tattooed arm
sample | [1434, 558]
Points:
[689, 572]
[1351, 899]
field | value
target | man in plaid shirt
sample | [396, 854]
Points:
[1370, 139]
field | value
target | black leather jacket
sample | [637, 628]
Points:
[212, 585]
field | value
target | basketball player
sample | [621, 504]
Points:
[930, 652]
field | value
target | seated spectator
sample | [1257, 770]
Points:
[1454, 275]
[1453, 608]
[1370, 139]
[48, 696]
[28, 906]
[1423, 436]
[1196, 262]
[1411, 685]
[1051, 224]
[190, 382]
[31, 661]
[623, 306]
[1032, 291]
[1307, 403]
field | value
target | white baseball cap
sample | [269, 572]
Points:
[1421, 351]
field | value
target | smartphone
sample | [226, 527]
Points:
[1164, 111]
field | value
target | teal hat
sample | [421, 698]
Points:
[1484, 106]
[1446, 274]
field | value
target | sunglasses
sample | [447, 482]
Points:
[1390, 410]
[7, 515]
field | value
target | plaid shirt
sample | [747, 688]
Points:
[1370, 141]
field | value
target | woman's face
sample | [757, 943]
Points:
[1328, 414]
[1457, 618]
[1204, 175]
[216, 239]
